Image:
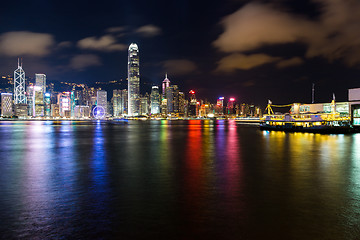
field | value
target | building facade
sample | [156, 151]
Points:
[64, 102]
[165, 85]
[6, 105]
[101, 99]
[155, 100]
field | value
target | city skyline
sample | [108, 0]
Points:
[251, 50]
[44, 101]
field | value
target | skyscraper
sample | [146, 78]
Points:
[30, 95]
[124, 102]
[47, 105]
[165, 85]
[116, 102]
[40, 89]
[101, 99]
[155, 100]
[170, 97]
[64, 101]
[6, 105]
[133, 80]
[40, 81]
[182, 104]
[39, 101]
[144, 104]
[19, 85]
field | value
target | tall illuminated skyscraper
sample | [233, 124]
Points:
[124, 102]
[40, 81]
[155, 100]
[19, 85]
[101, 99]
[40, 89]
[133, 80]
[116, 102]
[165, 85]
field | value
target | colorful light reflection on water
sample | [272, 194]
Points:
[176, 180]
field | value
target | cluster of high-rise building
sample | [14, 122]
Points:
[38, 99]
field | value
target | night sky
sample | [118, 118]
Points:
[251, 50]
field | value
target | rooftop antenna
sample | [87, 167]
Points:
[313, 93]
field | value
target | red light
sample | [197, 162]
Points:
[192, 92]
[232, 99]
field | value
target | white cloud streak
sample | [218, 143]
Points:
[105, 43]
[26, 43]
[149, 30]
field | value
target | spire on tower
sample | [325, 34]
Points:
[19, 62]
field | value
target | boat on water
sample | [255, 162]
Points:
[295, 121]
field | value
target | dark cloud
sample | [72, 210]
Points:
[116, 29]
[334, 35]
[243, 62]
[64, 44]
[295, 61]
[82, 61]
[179, 66]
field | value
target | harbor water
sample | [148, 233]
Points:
[176, 180]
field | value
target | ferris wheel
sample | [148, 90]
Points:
[98, 112]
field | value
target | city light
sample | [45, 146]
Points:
[45, 102]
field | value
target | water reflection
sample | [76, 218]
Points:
[313, 171]
[176, 180]
[37, 197]
[233, 168]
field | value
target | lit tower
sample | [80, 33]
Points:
[165, 85]
[155, 100]
[133, 80]
[193, 104]
[40, 89]
[19, 84]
